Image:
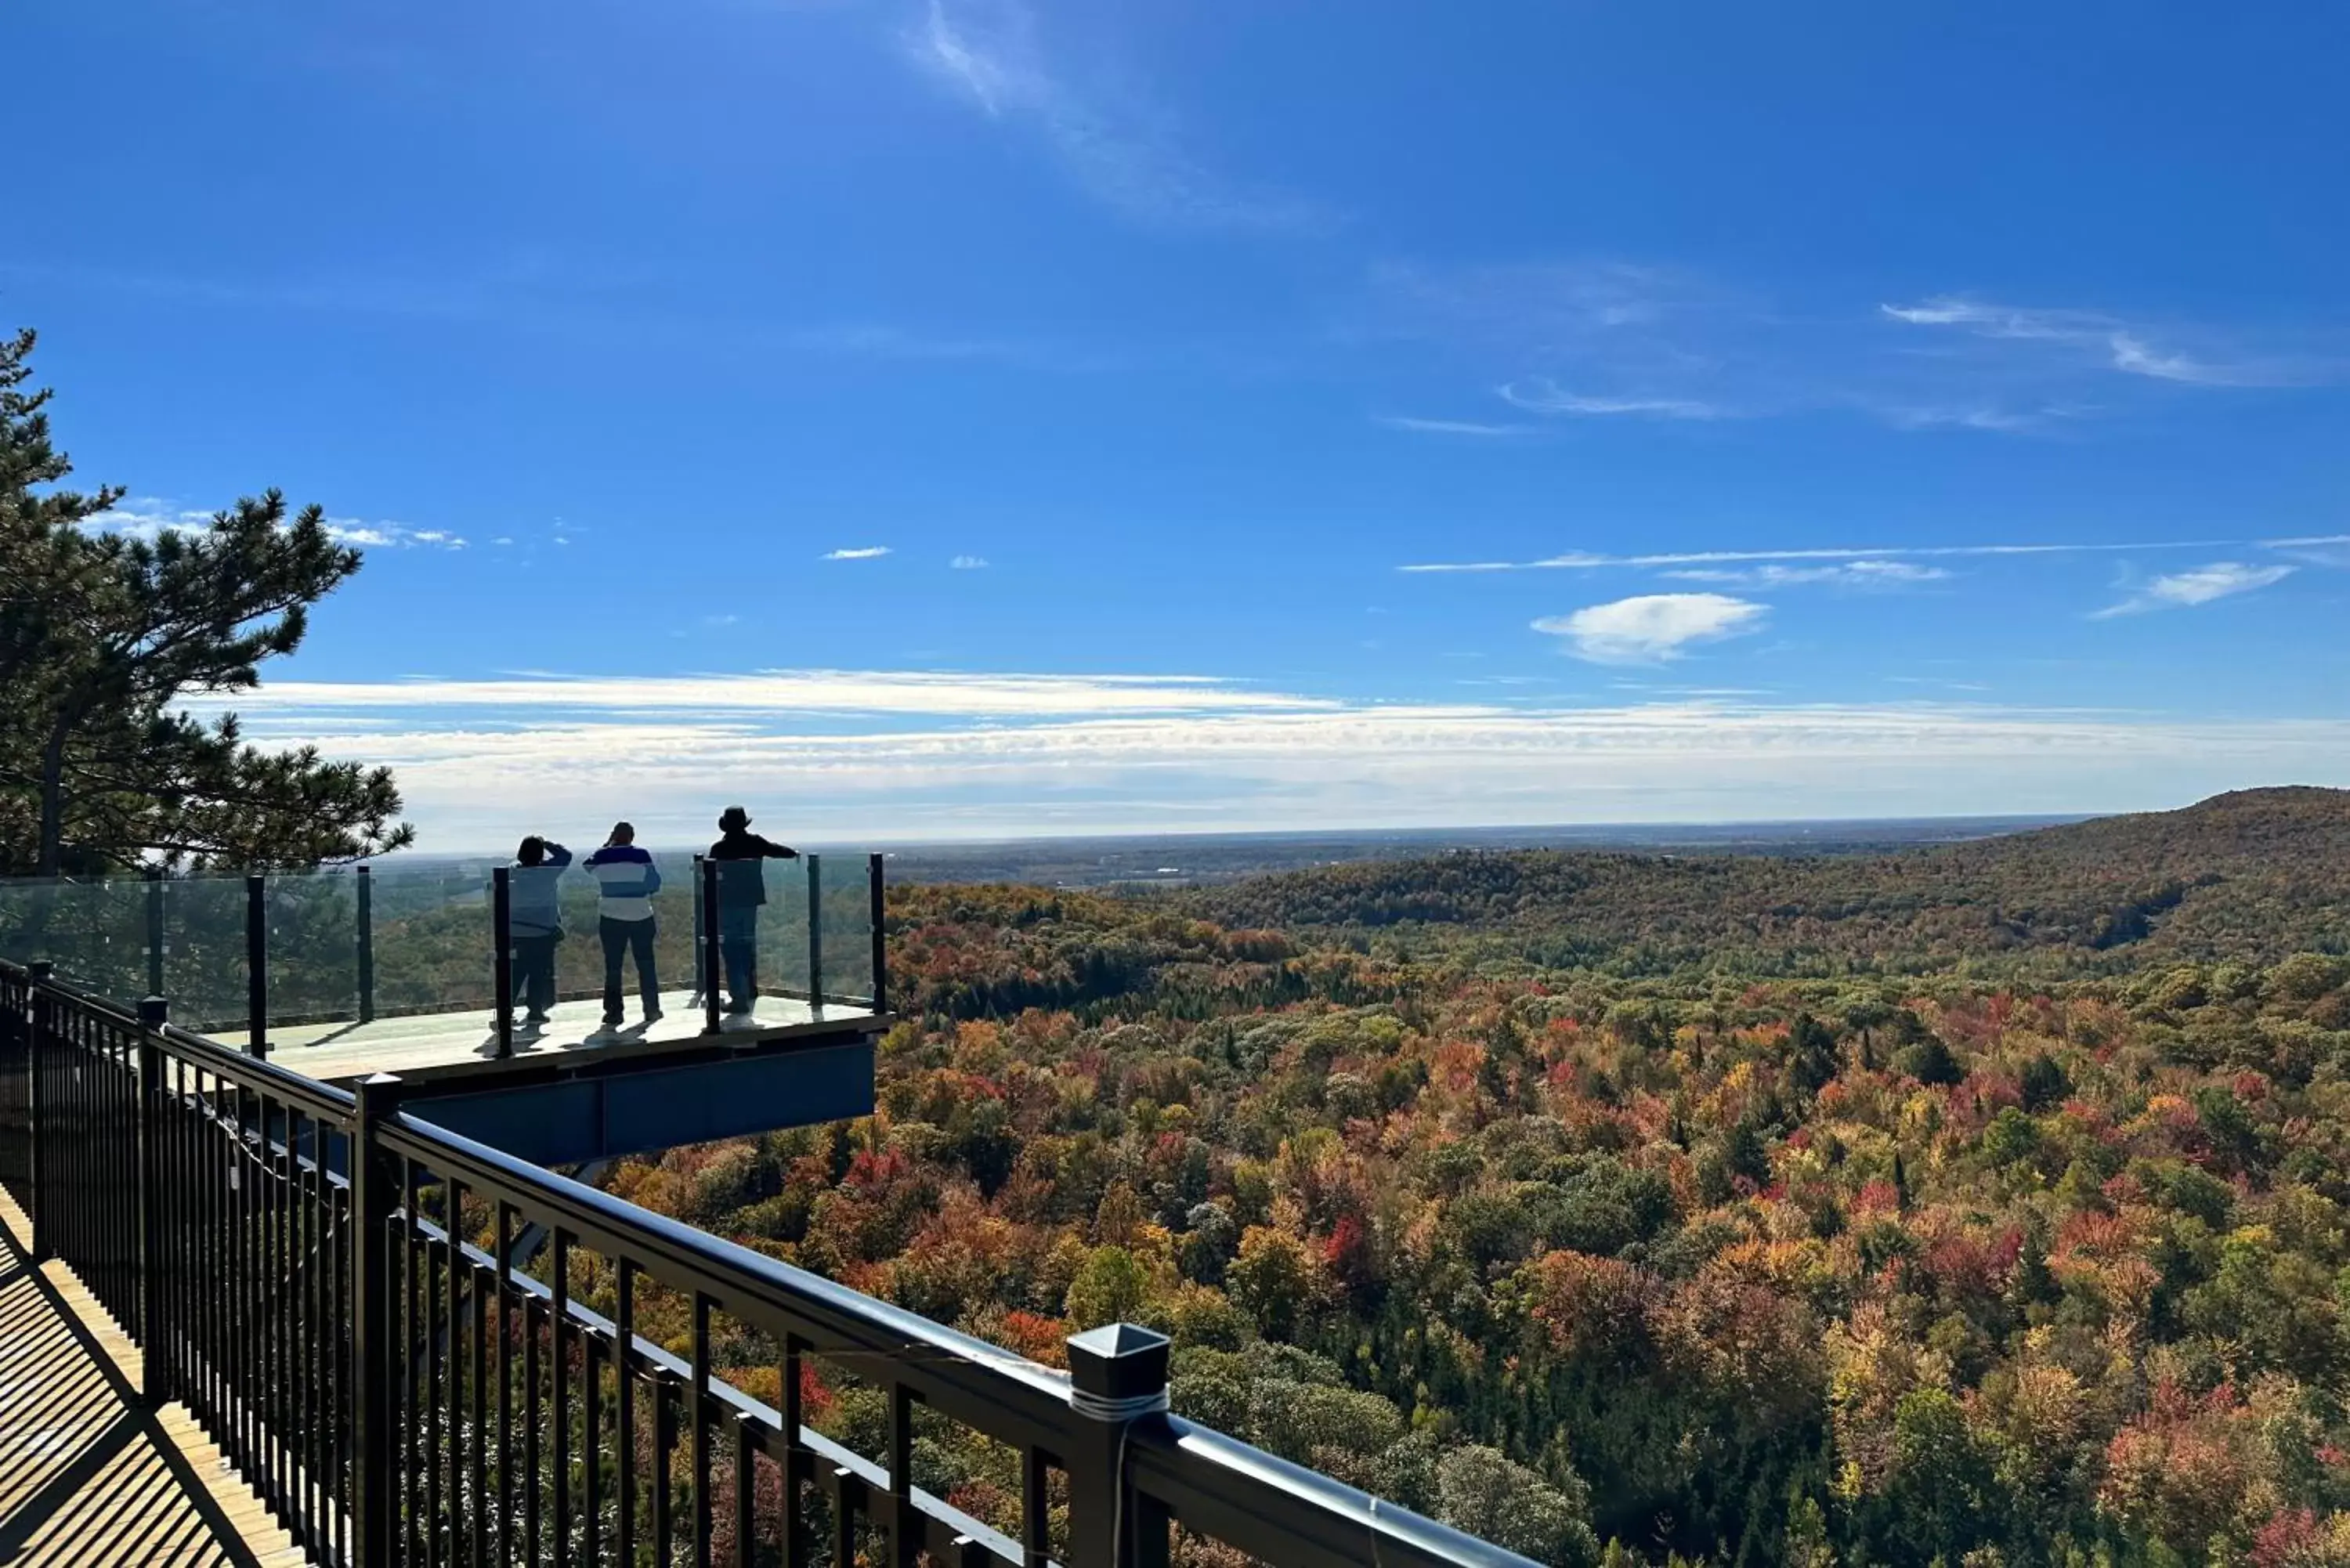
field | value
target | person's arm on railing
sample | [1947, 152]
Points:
[775, 851]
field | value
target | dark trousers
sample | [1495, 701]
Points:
[738, 947]
[534, 963]
[621, 937]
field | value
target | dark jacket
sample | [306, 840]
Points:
[742, 885]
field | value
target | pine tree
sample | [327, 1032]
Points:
[104, 637]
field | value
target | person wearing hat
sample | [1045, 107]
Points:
[741, 889]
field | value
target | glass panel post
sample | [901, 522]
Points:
[816, 932]
[366, 953]
[501, 933]
[257, 966]
[706, 905]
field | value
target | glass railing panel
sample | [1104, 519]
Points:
[314, 948]
[783, 945]
[579, 957]
[204, 972]
[844, 922]
[432, 937]
[95, 932]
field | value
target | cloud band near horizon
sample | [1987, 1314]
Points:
[898, 755]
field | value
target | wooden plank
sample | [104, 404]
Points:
[86, 1476]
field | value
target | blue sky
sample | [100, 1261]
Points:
[946, 418]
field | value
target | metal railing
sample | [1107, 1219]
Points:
[317, 1275]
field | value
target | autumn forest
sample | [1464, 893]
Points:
[1976, 1205]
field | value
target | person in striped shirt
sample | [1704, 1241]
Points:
[627, 879]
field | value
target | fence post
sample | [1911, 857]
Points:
[502, 923]
[880, 955]
[36, 1173]
[375, 1193]
[154, 930]
[816, 933]
[256, 967]
[1117, 1378]
[155, 1357]
[367, 945]
[712, 946]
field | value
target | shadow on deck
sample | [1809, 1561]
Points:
[87, 1476]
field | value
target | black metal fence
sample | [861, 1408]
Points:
[321, 1277]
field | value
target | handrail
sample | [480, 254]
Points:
[723, 1393]
[758, 1289]
[318, 1327]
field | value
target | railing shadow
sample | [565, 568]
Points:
[86, 1475]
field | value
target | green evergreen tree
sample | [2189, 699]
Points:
[103, 637]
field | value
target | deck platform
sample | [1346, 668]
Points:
[86, 1476]
[443, 1047]
[573, 1091]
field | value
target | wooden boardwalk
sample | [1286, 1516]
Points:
[443, 1044]
[86, 1478]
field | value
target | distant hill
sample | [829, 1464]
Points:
[2252, 876]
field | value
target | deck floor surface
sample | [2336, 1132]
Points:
[86, 1476]
[434, 1042]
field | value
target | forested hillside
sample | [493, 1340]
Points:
[1719, 1267]
[2253, 876]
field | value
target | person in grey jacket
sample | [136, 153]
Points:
[535, 921]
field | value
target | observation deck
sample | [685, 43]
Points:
[422, 969]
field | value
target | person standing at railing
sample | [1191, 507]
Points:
[627, 879]
[741, 890]
[535, 921]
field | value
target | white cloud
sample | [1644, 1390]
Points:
[1449, 427]
[1864, 574]
[144, 517]
[969, 563]
[1112, 145]
[2219, 580]
[1981, 417]
[474, 775]
[2100, 339]
[1541, 395]
[1586, 560]
[860, 553]
[783, 692]
[1651, 627]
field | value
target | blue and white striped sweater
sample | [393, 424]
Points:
[628, 879]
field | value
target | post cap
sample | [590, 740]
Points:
[378, 1092]
[42, 969]
[1118, 1362]
[154, 1011]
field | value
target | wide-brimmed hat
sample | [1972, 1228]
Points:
[733, 816]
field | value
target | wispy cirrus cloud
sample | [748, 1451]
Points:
[1588, 560]
[1650, 628]
[1112, 145]
[2097, 338]
[1541, 395]
[856, 553]
[1450, 426]
[969, 563]
[1861, 573]
[1618, 340]
[2181, 590]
